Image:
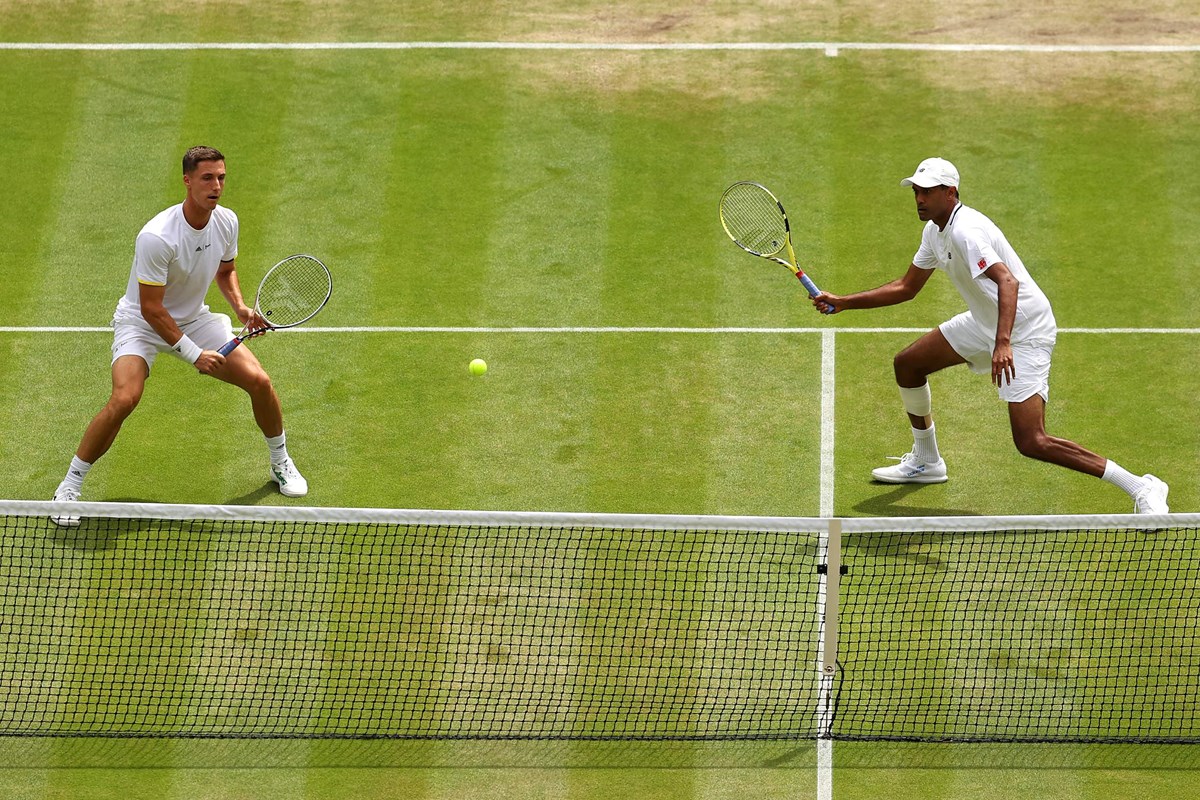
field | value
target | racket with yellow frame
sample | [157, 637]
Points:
[756, 222]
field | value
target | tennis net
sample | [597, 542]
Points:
[1035, 630]
[283, 622]
[215, 621]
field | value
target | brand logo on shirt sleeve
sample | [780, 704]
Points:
[983, 263]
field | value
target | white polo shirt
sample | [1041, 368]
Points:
[964, 250]
[169, 252]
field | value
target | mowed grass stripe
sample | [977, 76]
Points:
[41, 130]
[548, 252]
[80, 247]
[315, 167]
[91, 241]
[660, 412]
[332, 181]
[215, 783]
[547, 255]
[1081, 191]
[404, 417]
[251, 111]
[443, 123]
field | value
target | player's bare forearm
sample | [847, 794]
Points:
[1003, 366]
[227, 282]
[889, 294]
[162, 322]
[158, 318]
[1006, 300]
[150, 298]
[900, 290]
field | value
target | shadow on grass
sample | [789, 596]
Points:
[102, 753]
[98, 534]
[146, 753]
[891, 504]
[1000, 755]
[255, 496]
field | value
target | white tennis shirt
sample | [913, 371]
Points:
[169, 252]
[964, 250]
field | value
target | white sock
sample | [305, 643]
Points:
[1122, 478]
[925, 444]
[278, 447]
[76, 473]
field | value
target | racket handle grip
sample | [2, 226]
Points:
[813, 291]
[229, 346]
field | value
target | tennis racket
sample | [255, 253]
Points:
[292, 292]
[755, 220]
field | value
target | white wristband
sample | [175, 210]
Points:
[187, 348]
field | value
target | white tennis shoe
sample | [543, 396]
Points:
[1152, 497]
[65, 493]
[291, 482]
[912, 470]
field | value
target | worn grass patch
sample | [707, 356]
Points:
[956, 21]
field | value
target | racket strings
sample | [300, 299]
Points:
[293, 291]
[753, 218]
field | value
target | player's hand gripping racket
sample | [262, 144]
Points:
[292, 292]
[755, 220]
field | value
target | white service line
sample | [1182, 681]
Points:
[831, 49]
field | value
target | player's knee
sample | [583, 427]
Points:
[1032, 444]
[122, 402]
[258, 382]
[906, 370]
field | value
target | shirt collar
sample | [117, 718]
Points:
[953, 214]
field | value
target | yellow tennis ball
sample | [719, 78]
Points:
[477, 366]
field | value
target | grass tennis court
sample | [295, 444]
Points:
[575, 190]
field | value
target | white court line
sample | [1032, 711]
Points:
[828, 396]
[829, 48]
[824, 709]
[824, 769]
[589, 329]
[825, 685]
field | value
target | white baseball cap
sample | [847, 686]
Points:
[933, 172]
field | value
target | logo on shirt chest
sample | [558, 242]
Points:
[205, 247]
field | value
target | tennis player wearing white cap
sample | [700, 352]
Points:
[1008, 330]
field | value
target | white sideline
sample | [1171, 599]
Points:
[831, 49]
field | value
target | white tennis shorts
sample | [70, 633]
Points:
[135, 337]
[1031, 358]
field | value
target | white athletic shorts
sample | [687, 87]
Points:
[135, 337]
[1031, 358]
